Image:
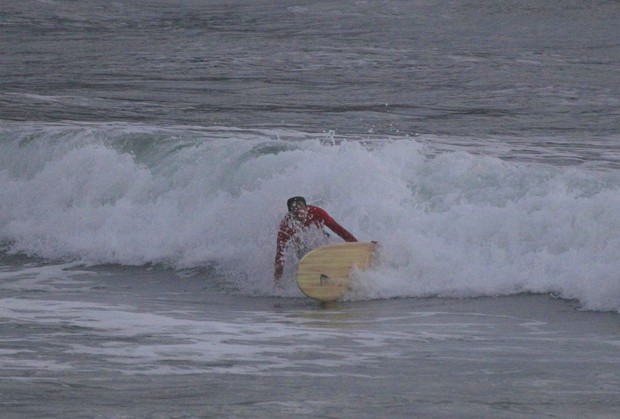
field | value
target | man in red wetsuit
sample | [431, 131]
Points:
[302, 218]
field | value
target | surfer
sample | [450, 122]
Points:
[301, 218]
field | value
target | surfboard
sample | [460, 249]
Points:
[324, 273]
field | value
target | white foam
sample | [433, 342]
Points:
[450, 223]
[155, 343]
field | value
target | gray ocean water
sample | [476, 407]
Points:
[146, 153]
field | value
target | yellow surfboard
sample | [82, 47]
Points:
[325, 272]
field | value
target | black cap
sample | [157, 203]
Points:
[295, 200]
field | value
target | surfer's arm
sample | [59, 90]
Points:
[279, 261]
[337, 228]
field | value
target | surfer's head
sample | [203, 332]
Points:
[297, 207]
[295, 202]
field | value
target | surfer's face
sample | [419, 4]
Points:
[299, 211]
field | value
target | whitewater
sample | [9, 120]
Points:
[450, 223]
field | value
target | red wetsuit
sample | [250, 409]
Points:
[317, 216]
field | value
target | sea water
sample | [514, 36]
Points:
[146, 154]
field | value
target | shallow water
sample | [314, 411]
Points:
[114, 341]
